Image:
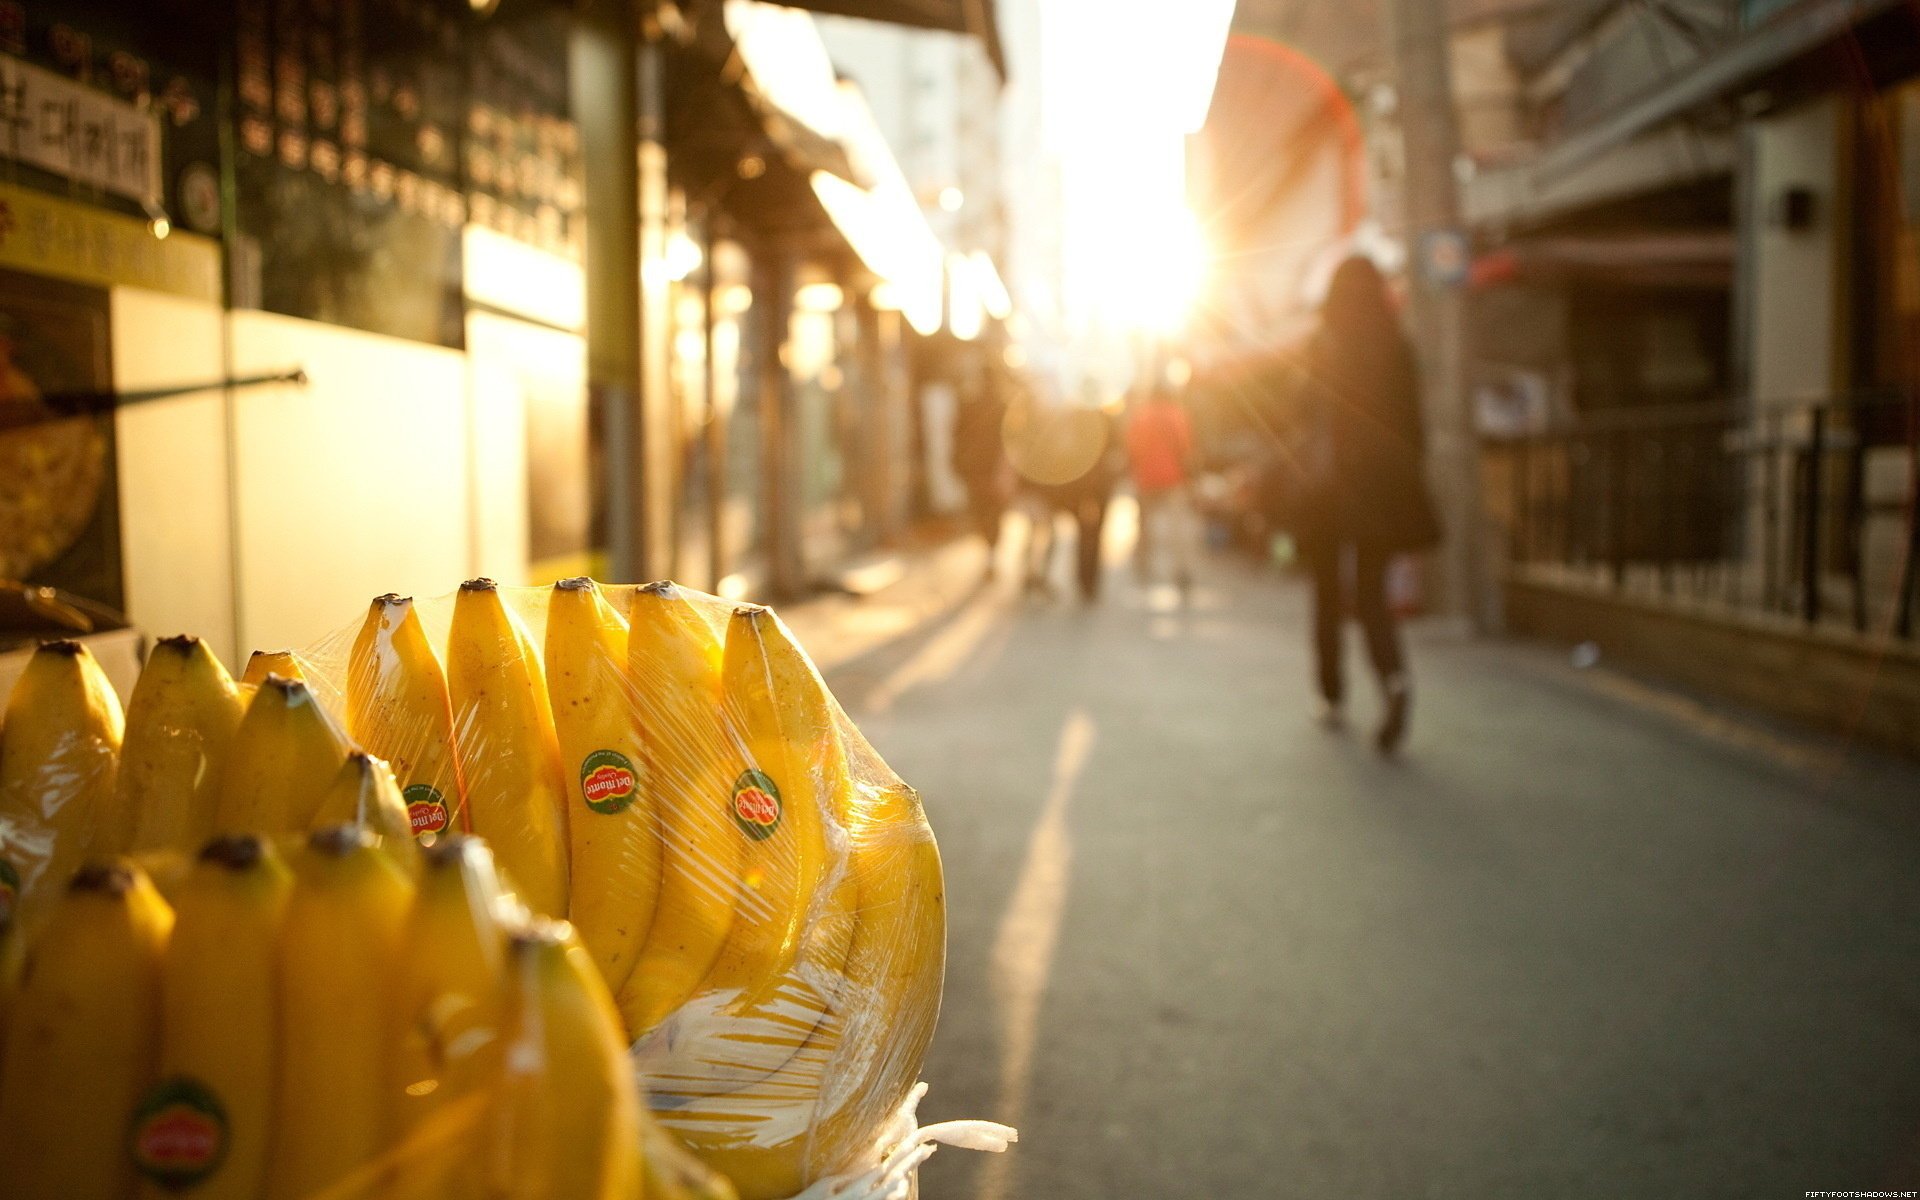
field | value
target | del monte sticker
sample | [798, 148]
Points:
[608, 781]
[426, 809]
[179, 1134]
[756, 805]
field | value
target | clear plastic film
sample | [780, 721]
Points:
[757, 894]
[760, 893]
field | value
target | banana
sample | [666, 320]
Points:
[824, 1108]
[397, 707]
[785, 719]
[202, 1131]
[569, 1115]
[452, 995]
[508, 753]
[339, 954]
[283, 759]
[59, 751]
[81, 1038]
[613, 822]
[364, 793]
[180, 721]
[673, 1172]
[692, 762]
[284, 663]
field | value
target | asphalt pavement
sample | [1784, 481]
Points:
[1586, 937]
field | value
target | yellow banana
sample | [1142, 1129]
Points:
[824, 1108]
[202, 1131]
[693, 761]
[569, 1113]
[452, 996]
[364, 793]
[338, 957]
[81, 1038]
[785, 719]
[673, 1172]
[397, 707]
[262, 663]
[283, 759]
[59, 749]
[613, 820]
[508, 755]
[180, 721]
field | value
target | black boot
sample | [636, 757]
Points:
[1393, 725]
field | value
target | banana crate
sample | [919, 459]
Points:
[517, 892]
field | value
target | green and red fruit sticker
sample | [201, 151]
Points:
[426, 809]
[756, 805]
[608, 781]
[180, 1134]
[9, 891]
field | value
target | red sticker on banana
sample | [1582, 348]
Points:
[179, 1135]
[756, 805]
[608, 782]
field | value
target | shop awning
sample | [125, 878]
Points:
[1802, 29]
[972, 17]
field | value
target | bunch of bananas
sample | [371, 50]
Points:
[319, 1021]
[761, 897]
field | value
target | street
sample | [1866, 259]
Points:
[1587, 938]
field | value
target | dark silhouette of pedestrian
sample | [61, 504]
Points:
[979, 458]
[1363, 494]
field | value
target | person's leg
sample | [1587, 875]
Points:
[1145, 537]
[1323, 568]
[1092, 518]
[1182, 531]
[1383, 641]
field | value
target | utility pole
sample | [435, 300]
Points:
[1418, 32]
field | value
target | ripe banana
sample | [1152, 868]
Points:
[673, 1172]
[397, 707]
[569, 1114]
[180, 721]
[613, 819]
[822, 1110]
[203, 1128]
[451, 990]
[508, 753]
[692, 762]
[59, 749]
[364, 793]
[262, 663]
[282, 760]
[785, 720]
[338, 957]
[81, 1038]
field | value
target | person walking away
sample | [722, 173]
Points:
[1366, 500]
[1160, 454]
[979, 458]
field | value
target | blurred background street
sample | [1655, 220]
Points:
[1591, 938]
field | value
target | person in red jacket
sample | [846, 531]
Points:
[1160, 452]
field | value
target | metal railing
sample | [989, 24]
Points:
[1803, 510]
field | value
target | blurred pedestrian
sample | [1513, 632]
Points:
[1160, 457]
[979, 458]
[1363, 498]
[1070, 460]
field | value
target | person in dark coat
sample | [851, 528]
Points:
[979, 458]
[1364, 495]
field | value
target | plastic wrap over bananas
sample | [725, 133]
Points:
[758, 895]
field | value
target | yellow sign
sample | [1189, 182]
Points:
[50, 236]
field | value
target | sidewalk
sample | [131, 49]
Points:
[1588, 939]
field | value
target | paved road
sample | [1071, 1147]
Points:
[1588, 939]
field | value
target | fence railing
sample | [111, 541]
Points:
[1803, 510]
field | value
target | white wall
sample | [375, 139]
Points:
[175, 519]
[1792, 285]
[352, 486]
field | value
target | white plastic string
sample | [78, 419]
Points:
[903, 1145]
